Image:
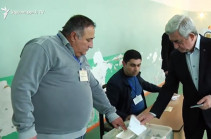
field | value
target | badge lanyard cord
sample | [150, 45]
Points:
[78, 61]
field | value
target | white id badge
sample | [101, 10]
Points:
[137, 99]
[83, 75]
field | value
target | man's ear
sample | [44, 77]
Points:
[123, 63]
[192, 35]
[73, 36]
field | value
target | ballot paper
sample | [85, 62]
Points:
[134, 128]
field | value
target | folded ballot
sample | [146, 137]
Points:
[134, 128]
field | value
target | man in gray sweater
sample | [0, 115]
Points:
[53, 90]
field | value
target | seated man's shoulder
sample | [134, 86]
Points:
[116, 76]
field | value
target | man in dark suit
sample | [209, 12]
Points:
[190, 65]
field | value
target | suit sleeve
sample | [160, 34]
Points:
[149, 86]
[166, 92]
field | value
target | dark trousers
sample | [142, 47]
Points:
[198, 134]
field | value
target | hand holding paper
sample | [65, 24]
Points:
[135, 127]
[119, 123]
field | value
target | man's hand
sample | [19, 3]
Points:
[206, 102]
[144, 118]
[119, 122]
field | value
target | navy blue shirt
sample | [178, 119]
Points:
[136, 90]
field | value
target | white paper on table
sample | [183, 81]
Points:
[175, 97]
[135, 126]
[169, 109]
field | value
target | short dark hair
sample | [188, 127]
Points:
[77, 23]
[131, 54]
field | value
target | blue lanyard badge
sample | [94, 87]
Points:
[136, 89]
[82, 73]
[78, 61]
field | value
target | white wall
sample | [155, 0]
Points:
[121, 25]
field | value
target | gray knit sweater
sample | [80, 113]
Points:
[47, 96]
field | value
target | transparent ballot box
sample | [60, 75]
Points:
[152, 132]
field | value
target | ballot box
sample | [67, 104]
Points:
[156, 132]
[152, 132]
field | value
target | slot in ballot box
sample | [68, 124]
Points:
[152, 132]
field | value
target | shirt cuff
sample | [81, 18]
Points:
[112, 117]
[153, 114]
[28, 133]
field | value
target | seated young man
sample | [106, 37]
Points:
[125, 88]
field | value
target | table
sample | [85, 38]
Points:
[172, 119]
